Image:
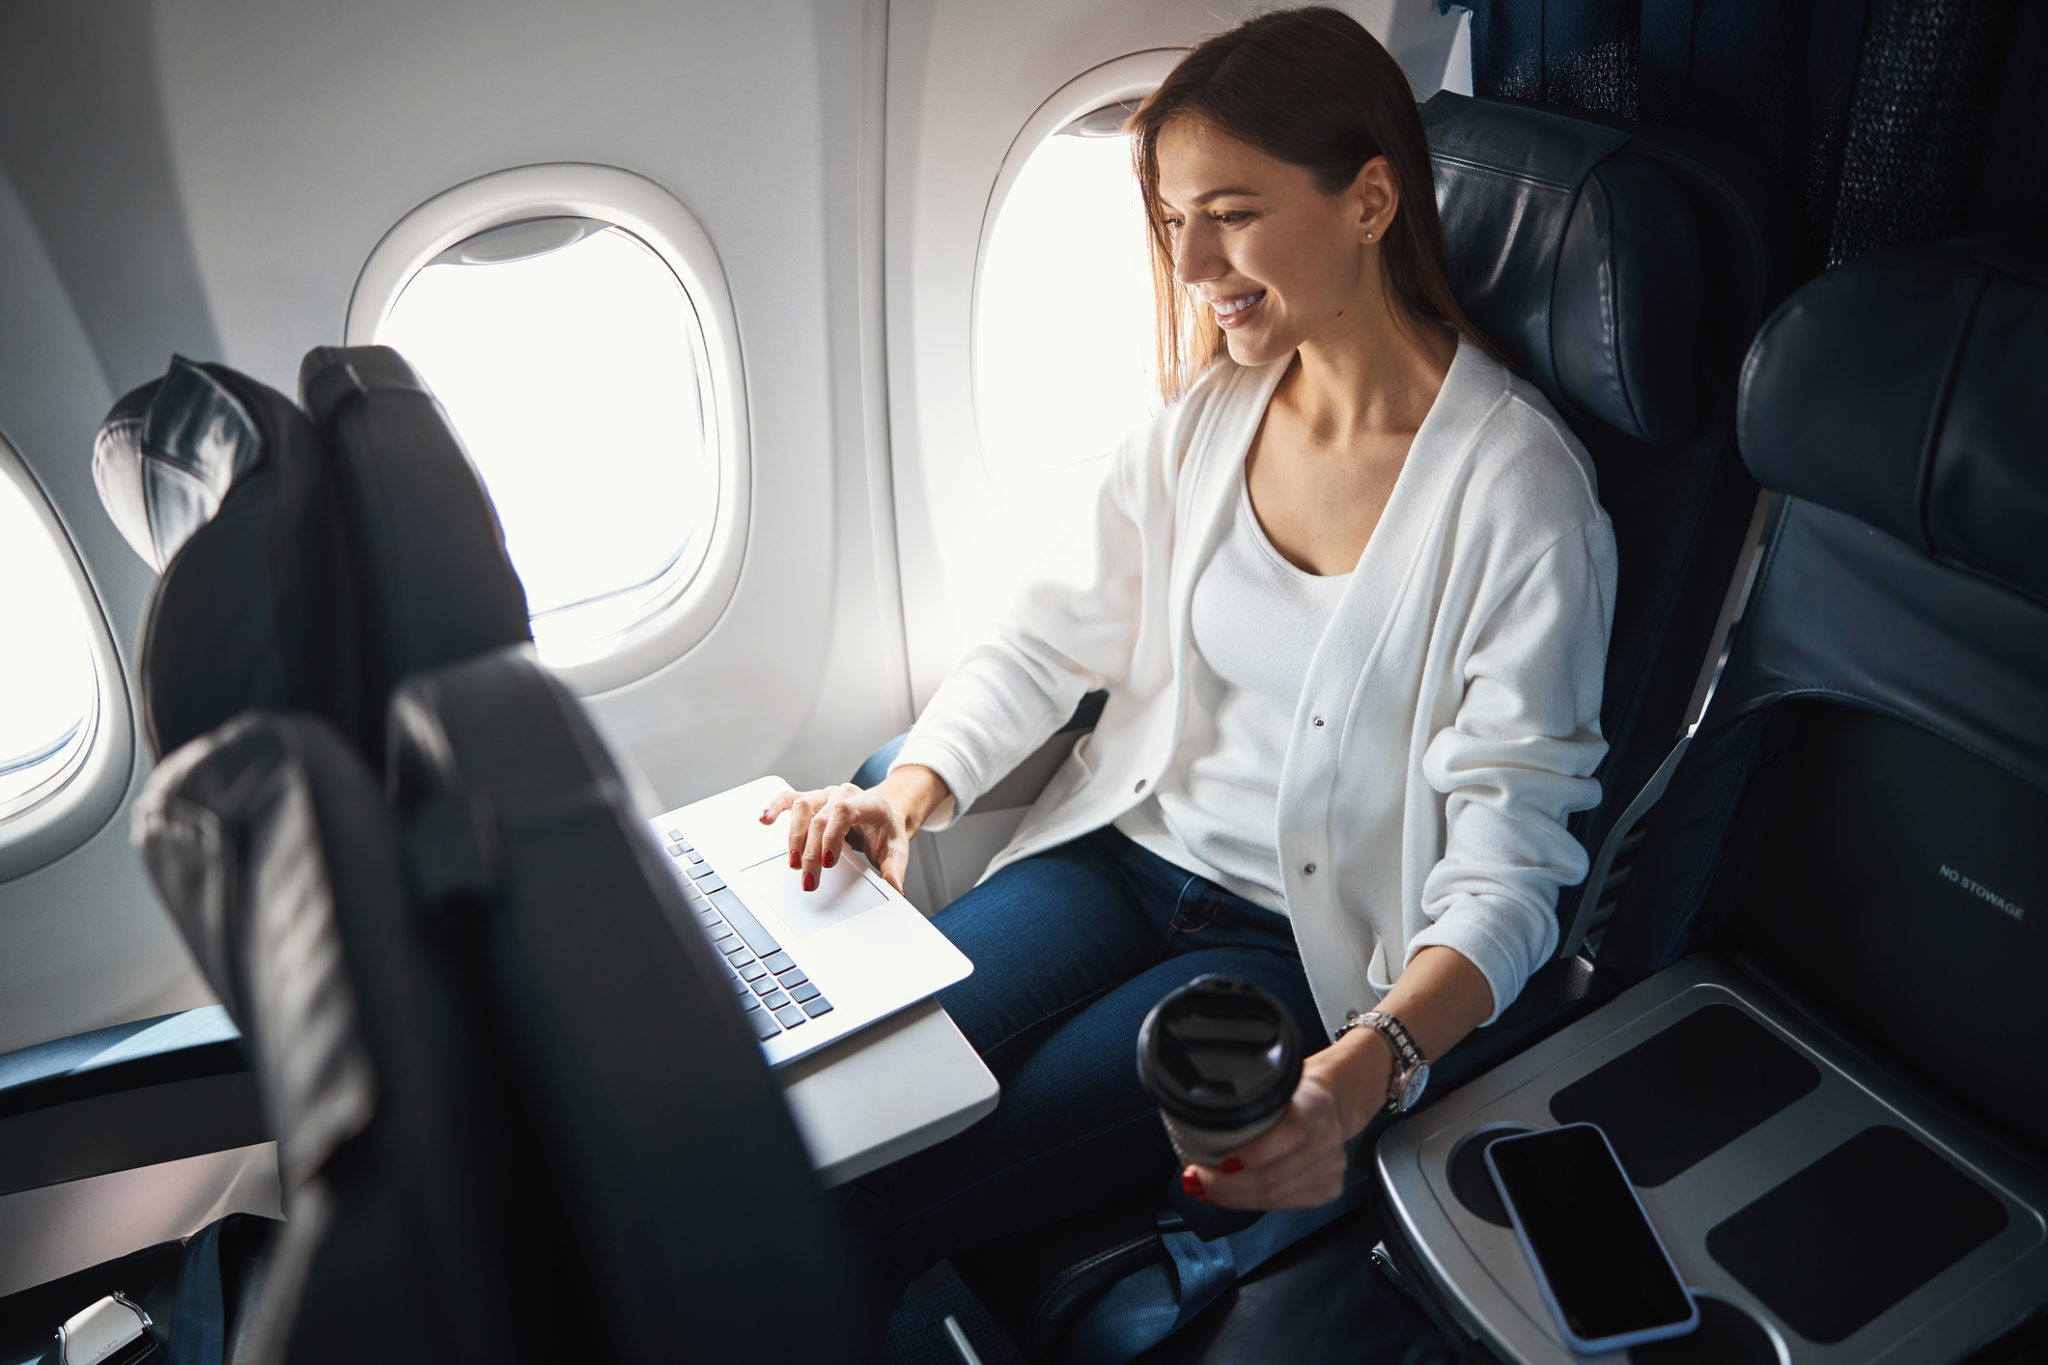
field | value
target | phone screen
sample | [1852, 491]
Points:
[1608, 1275]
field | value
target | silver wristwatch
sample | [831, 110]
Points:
[1411, 1068]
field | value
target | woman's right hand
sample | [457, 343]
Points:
[877, 821]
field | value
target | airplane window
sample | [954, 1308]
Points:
[1063, 334]
[572, 362]
[49, 685]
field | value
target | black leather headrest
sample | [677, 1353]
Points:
[220, 483]
[308, 565]
[1905, 389]
[167, 455]
[1580, 258]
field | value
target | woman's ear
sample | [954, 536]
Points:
[1376, 198]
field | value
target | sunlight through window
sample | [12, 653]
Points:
[572, 363]
[1064, 363]
[49, 688]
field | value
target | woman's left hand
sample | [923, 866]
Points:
[1299, 1162]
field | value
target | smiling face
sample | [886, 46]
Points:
[1270, 237]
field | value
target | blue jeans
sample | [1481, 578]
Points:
[1071, 949]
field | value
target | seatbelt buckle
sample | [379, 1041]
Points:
[114, 1331]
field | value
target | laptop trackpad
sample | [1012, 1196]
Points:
[842, 893]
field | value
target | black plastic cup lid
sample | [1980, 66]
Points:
[1219, 1053]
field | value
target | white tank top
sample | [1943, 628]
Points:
[1256, 622]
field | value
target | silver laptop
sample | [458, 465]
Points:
[810, 966]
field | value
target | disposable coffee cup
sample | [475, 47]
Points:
[1221, 1057]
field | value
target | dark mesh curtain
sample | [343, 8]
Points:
[1894, 120]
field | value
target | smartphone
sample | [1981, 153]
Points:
[1607, 1278]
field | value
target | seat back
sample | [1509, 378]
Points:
[519, 1113]
[308, 564]
[1623, 270]
[1859, 814]
[683, 1186]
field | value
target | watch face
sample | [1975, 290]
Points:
[1412, 1086]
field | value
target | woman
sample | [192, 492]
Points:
[1349, 594]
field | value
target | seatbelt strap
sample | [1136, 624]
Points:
[197, 1327]
[1152, 1303]
[1201, 1270]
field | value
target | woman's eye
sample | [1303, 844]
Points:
[1228, 219]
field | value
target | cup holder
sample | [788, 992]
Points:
[1727, 1335]
[1471, 1182]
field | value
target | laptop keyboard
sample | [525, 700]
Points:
[772, 987]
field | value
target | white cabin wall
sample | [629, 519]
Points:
[213, 175]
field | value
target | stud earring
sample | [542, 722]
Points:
[1368, 236]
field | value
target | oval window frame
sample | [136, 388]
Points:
[79, 799]
[660, 221]
[1130, 77]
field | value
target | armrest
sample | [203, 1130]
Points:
[124, 1097]
[1019, 788]
[1559, 992]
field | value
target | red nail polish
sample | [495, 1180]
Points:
[1202, 1198]
[830, 858]
[1188, 1183]
[810, 881]
[1232, 1166]
[796, 860]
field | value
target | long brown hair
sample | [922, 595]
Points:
[1310, 87]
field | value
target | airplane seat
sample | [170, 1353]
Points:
[1623, 270]
[1821, 1071]
[518, 1112]
[1864, 798]
[311, 559]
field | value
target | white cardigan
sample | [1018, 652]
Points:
[1465, 659]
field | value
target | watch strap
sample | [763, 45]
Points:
[1407, 1055]
[1396, 1033]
